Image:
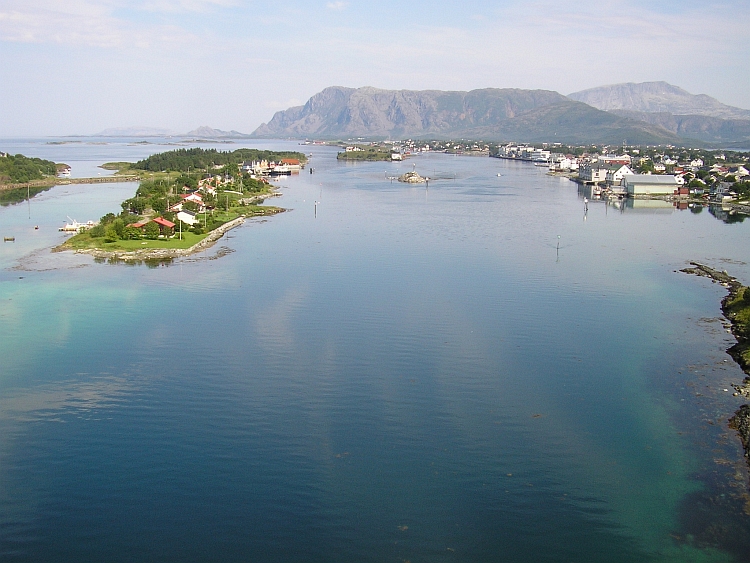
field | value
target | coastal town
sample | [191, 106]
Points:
[608, 172]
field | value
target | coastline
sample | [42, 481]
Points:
[740, 421]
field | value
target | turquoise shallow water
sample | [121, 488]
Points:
[412, 374]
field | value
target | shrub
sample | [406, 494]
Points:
[119, 226]
[97, 231]
[108, 218]
[131, 233]
[110, 234]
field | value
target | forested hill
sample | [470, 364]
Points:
[17, 169]
[184, 160]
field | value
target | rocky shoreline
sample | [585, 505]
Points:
[740, 421]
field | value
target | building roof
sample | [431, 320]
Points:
[163, 222]
[654, 179]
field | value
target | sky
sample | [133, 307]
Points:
[77, 67]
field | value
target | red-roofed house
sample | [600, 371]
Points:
[165, 227]
[292, 163]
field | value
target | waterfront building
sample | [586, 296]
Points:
[616, 172]
[650, 184]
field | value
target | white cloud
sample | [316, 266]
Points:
[45, 21]
[162, 47]
[182, 6]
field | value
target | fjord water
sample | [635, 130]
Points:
[409, 374]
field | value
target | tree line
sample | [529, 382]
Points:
[187, 160]
[18, 169]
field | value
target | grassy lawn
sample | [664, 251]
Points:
[121, 167]
[84, 241]
[738, 310]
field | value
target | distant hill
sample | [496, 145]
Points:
[656, 97]
[496, 114]
[205, 132]
[134, 132]
[700, 127]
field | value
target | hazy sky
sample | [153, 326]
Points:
[80, 66]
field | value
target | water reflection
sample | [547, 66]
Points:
[593, 196]
[17, 195]
[726, 213]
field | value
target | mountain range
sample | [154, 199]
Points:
[646, 113]
[203, 132]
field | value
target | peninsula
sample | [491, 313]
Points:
[187, 199]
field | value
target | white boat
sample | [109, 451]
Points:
[75, 227]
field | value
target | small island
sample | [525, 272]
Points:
[368, 153]
[412, 178]
[188, 200]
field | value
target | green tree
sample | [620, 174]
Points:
[96, 231]
[131, 233]
[151, 230]
[110, 234]
[645, 167]
[134, 205]
[191, 206]
[159, 204]
[119, 226]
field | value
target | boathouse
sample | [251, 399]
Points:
[650, 184]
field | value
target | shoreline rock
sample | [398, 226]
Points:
[740, 421]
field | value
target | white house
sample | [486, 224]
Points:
[187, 217]
[592, 172]
[615, 174]
[566, 163]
